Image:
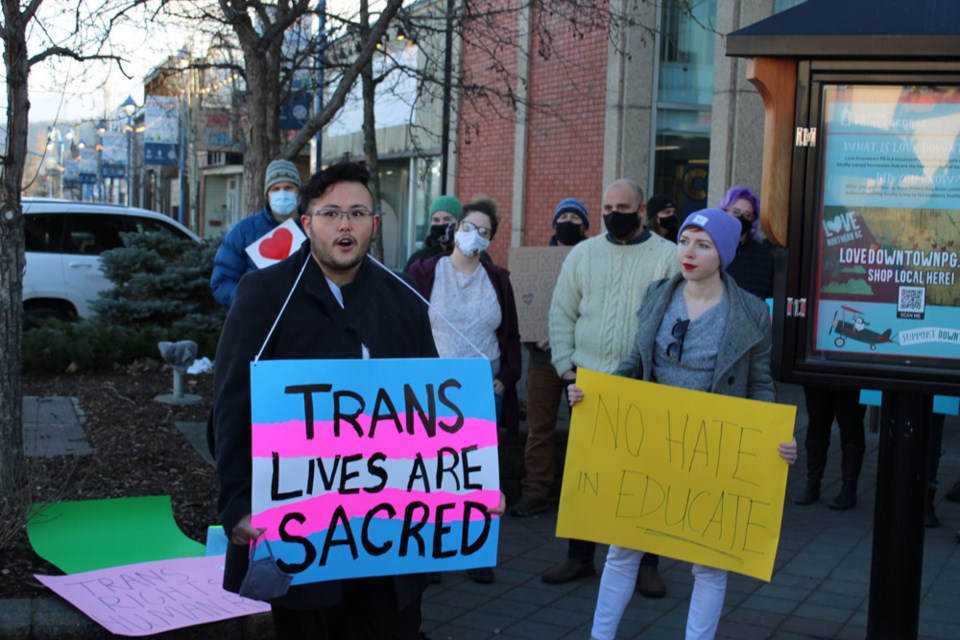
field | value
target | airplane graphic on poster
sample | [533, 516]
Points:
[856, 329]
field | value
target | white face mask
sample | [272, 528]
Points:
[283, 203]
[470, 242]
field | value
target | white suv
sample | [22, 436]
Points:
[63, 243]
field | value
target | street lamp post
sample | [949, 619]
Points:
[81, 145]
[129, 107]
[55, 143]
[101, 129]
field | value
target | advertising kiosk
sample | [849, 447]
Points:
[861, 185]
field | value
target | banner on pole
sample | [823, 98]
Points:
[161, 133]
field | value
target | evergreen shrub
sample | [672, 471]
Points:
[161, 291]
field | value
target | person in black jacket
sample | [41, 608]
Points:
[662, 217]
[753, 266]
[340, 305]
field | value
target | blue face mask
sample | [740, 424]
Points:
[283, 203]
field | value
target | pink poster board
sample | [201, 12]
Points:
[154, 597]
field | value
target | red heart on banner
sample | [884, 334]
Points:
[277, 246]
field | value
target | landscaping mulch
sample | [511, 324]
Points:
[137, 451]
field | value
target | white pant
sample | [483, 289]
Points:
[619, 580]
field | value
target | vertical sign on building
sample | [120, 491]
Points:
[161, 133]
[114, 155]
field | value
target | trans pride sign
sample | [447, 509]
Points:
[374, 467]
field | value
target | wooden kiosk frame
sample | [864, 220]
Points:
[861, 138]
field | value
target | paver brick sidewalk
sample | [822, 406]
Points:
[819, 588]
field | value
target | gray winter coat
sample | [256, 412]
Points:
[743, 362]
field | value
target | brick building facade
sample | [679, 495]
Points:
[553, 148]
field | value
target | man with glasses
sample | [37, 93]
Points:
[594, 319]
[329, 301]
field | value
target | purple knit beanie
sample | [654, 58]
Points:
[724, 230]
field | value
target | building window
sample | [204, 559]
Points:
[684, 102]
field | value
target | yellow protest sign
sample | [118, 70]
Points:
[684, 474]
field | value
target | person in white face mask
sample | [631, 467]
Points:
[475, 297]
[281, 188]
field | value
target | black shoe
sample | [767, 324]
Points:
[484, 575]
[529, 506]
[571, 569]
[649, 582]
[846, 499]
[954, 494]
[809, 495]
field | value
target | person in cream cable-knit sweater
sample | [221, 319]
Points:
[594, 318]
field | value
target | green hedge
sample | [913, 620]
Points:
[90, 346]
[161, 292]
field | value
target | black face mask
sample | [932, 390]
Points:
[436, 232]
[670, 224]
[622, 225]
[569, 233]
[745, 227]
[437, 235]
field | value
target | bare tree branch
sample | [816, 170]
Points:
[64, 52]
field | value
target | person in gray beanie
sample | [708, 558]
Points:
[280, 186]
[702, 332]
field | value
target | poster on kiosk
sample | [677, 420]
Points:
[886, 284]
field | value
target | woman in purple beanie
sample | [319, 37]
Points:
[700, 331]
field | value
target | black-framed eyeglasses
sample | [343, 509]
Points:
[679, 332]
[332, 215]
[484, 232]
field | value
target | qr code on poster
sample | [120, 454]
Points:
[912, 299]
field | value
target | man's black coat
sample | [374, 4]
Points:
[378, 311]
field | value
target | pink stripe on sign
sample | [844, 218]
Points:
[289, 439]
[318, 511]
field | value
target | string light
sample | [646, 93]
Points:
[217, 86]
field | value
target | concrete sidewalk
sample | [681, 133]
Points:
[819, 588]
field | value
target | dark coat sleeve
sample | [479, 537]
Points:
[508, 334]
[423, 272]
[247, 324]
[420, 311]
[508, 338]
